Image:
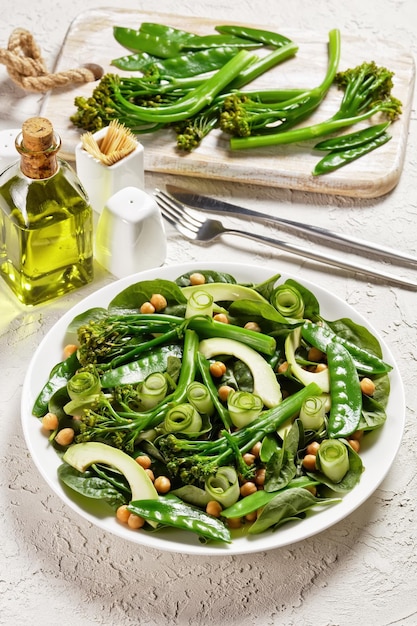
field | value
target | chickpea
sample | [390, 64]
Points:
[253, 326]
[313, 447]
[147, 307]
[312, 489]
[234, 522]
[135, 521]
[316, 355]
[150, 474]
[251, 517]
[260, 476]
[248, 488]
[69, 349]
[354, 444]
[223, 392]
[217, 369]
[320, 367]
[65, 437]
[50, 421]
[144, 461]
[367, 386]
[256, 450]
[158, 301]
[221, 317]
[197, 279]
[358, 434]
[162, 484]
[249, 458]
[309, 462]
[214, 508]
[282, 367]
[123, 513]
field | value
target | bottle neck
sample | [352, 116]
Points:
[38, 164]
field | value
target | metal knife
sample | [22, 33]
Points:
[205, 203]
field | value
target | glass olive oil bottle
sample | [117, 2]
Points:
[46, 223]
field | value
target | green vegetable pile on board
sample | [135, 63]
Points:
[192, 84]
[205, 404]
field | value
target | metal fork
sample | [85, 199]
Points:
[208, 230]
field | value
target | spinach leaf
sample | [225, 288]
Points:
[211, 276]
[281, 467]
[286, 506]
[90, 485]
[373, 414]
[357, 334]
[131, 299]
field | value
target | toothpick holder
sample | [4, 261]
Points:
[102, 181]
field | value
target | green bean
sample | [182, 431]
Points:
[338, 158]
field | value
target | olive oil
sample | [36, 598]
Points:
[46, 231]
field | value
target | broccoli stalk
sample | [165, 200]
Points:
[194, 460]
[367, 92]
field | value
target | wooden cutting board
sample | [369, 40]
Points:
[90, 40]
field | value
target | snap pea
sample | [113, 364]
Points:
[268, 38]
[58, 378]
[139, 41]
[182, 65]
[161, 44]
[171, 511]
[139, 61]
[352, 140]
[260, 498]
[136, 371]
[345, 392]
[338, 158]
[365, 362]
[190, 41]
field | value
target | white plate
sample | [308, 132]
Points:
[378, 455]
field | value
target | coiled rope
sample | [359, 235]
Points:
[27, 69]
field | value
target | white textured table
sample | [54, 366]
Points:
[57, 569]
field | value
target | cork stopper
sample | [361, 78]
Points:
[38, 134]
[38, 146]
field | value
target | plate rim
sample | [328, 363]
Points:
[323, 520]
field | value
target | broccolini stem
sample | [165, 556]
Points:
[196, 100]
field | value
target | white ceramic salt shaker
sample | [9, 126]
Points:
[8, 154]
[102, 181]
[130, 235]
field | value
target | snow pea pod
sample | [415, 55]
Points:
[266, 37]
[191, 41]
[136, 371]
[171, 511]
[365, 362]
[139, 41]
[345, 392]
[139, 61]
[182, 65]
[338, 158]
[353, 139]
[58, 378]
